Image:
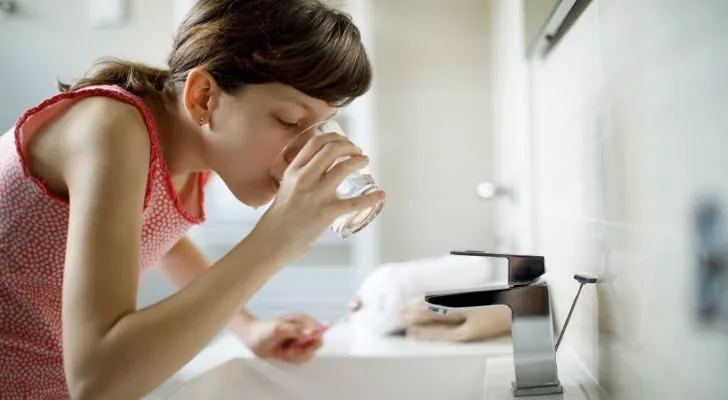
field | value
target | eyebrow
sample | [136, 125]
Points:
[309, 109]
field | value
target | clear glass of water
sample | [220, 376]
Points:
[356, 184]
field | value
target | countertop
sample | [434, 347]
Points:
[577, 382]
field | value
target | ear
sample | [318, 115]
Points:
[201, 95]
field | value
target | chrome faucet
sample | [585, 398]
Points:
[527, 295]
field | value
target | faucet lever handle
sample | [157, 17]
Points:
[522, 269]
[583, 280]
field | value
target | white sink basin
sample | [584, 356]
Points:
[459, 377]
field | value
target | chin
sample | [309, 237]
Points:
[258, 203]
[255, 200]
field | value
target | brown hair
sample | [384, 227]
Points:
[302, 43]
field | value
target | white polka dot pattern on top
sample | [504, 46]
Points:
[33, 231]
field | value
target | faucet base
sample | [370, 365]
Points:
[536, 391]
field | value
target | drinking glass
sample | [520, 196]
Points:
[356, 184]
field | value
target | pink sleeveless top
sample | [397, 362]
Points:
[33, 229]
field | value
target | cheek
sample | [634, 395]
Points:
[258, 161]
[266, 148]
[246, 146]
[244, 157]
[229, 134]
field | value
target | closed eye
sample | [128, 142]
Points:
[288, 124]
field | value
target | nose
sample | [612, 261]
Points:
[289, 152]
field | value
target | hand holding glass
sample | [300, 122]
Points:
[357, 184]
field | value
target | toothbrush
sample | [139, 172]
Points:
[320, 330]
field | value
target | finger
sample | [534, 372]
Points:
[286, 330]
[334, 177]
[303, 353]
[415, 301]
[325, 158]
[307, 321]
[289, 358]
[310, 328]
[280, 353]
[310, 336]
[418, 317]
[410, 307]
[320, 330]
[307, 353]
[436, 332]
[313, 146]
[345, 206]
[297, 356]
[416, 312]
[300, 359]
[308, 344]
[314, 345]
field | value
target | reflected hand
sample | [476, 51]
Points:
[457, 326]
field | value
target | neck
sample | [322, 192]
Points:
[179, 139]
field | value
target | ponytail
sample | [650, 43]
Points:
[142, 80]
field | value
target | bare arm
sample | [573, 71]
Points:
[111, 349]
[266, 338]
[183, 264]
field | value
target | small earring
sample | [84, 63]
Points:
[202, 121]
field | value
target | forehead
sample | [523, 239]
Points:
[283, 95]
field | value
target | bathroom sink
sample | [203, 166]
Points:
[347, 377]
[459, 377]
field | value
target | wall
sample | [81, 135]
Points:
[434, 141]
[48, 40]
[629, 130]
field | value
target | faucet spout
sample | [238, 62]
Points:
[531, 329]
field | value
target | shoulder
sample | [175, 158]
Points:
[100, 134]
[100, 122]
[95, 131]
[108, 108]
[104, 126]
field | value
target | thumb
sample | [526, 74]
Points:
[286, 329]
[307, 323]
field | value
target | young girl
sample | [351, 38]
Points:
[102, 181]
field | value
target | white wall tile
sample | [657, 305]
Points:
[630, 129]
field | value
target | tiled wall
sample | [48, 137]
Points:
[630, 129]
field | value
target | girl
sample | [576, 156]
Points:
[102, 180]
